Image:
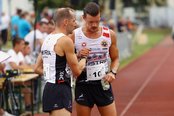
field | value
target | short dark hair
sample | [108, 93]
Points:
[18, 11]
[42, 23]
[16, 41]
[51, 22]
[62, 13]
[23, 14]
[26, 43]
[92, 9]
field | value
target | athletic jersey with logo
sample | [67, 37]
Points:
[55, 67]
[97, 61]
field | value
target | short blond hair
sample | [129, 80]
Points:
[61, 14]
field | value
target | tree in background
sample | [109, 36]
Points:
[53, 4]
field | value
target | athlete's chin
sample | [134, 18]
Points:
[70, 31]
[94, 31]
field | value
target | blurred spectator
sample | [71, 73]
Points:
[14, 23]
[104, 22]
[2, 66]
[130, 25]
[121, 25]
[5, 20]
[45, 14]
[112, 25]
[45, 32]
[32, 18]
[26, 55]
[24, 25]
[16, 61]
[2, 112]
[51, 26]
[39, 34]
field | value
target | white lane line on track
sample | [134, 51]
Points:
[145, 83]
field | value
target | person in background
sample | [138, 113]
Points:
[121, 25]
[130, 25]
[14, 23]
[43, 27]
[112, 25]
[26, 55]
[51, 26]
[2, 66]
[5, 20]
[16, 61]
[24, 27]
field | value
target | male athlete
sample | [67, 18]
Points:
[57, 54]
[93, 85]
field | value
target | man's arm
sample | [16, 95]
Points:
[39, 65]
[2, 66]
[67, 47]
[113, 52]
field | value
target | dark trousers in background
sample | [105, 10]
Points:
[4, 34]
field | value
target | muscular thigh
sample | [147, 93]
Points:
[109, 110]
[61, 112]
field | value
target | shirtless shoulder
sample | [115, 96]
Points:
[62, 45]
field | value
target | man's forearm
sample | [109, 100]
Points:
[114, 65]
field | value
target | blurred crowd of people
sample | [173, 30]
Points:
[26, 43]
[21, 26]
[123, 24]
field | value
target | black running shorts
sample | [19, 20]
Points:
[57, 96]
[89, 94]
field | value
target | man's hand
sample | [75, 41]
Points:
[83, 53]
[109, 77]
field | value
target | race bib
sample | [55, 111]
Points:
[46, 71]
[96, 72]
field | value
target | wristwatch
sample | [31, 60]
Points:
[113, 72]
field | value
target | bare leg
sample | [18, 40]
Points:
[83, 110]
[109, 110]
[27, 96]
[61, 112]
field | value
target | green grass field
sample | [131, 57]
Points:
[154, 37]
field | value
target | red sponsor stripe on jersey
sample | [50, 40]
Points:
[60, 81]
[105, 28]
[106, 34]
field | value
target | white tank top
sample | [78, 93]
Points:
[54, 65]
[97, 62]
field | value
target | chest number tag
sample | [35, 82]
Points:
[96, 72]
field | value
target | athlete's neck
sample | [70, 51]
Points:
[59, 30]
[92, 34]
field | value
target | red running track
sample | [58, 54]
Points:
[146, 86]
